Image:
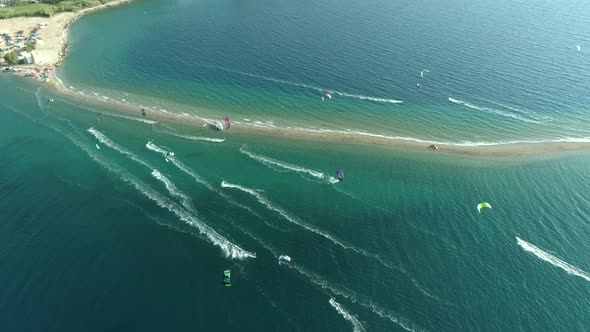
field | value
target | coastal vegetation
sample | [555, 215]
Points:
[11, 58]
[47, 8]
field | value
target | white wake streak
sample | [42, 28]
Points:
[186, 201]
[174, 160]
[268, 161]
[349, 294]
[492, 110]
[318, 89]
[227, 247]
[356, 325]
[108, 142]
[264, 201]
[555, 261]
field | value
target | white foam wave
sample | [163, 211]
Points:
[318, 89]
[268, 161]
[553, 260]
[356, 325]
[493, 110]
[186, 201]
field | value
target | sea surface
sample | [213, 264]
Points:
[101, 230]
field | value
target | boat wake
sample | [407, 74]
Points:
[271, 162]
[356, 325]
[553, 260]
[494, 111]
[316, 88]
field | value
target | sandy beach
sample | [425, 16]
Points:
[49, 52]
[515, 149]
[49, 48]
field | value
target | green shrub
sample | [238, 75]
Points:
[11, 58]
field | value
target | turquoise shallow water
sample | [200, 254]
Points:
[96, 240]
[512, 69]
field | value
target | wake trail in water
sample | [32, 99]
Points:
[174, 160]
[268, 161]
[228, 248]
[493, 111]
[264, 201]
[356, 325]
[192, 138]
[523, 111]
[349, 294]
[108, 142]
[172, 189]
[271, 206]
[186, 201]
[316, 88]
[553, 260]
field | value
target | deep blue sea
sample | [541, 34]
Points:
[102, 230]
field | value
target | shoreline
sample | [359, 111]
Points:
[482, 149]
[51, 49]
[54, 51]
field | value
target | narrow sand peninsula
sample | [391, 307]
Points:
[500, 150]
[48, 53]
[49, 48]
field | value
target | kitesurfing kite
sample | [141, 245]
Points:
[483, 205]
[327, 94]
[424, 71]
[284, 259]
[340, 175]
[579, 48]
[227, 278]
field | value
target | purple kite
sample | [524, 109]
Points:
[226, 121]
[340, 175]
